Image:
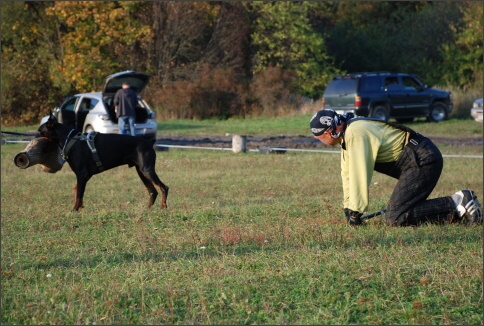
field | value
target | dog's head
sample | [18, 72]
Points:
[49, 128]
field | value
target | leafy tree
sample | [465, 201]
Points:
[393, 36]
[181, 31]
[201, 58]
[362, 34]
[27, 41]
[227, 58]
[97, 38]
[463, 59]
[283, 37]
[421, 37]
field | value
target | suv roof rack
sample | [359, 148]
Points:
[372, 73]
[353, 75]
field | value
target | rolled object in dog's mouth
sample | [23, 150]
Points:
[53, 162]
[22, 160]
[52, 166]
[40, 151]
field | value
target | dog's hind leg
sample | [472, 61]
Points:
[149, 185]
[164, 189]
[149, 179]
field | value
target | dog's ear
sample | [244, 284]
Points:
[51, 121]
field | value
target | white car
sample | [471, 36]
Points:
[95, 111]
[476, 111]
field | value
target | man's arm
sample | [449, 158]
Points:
[361, 156]
[116, 100]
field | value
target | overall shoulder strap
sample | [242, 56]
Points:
[92, 147]
[70, 141]
[410, 132]
[394, 125]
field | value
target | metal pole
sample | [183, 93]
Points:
[367, 217]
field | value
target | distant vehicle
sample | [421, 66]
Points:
[385, 95]
[95, 111]
[476, 110]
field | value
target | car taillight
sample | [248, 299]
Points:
[104, 117]
[357, 100]
[323, 102]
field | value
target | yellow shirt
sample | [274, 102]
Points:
[365, 143]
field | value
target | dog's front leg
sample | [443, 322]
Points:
[79, 193]
[77, 201]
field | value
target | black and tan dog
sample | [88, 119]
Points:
[89, 155]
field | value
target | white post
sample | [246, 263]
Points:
[239, 144]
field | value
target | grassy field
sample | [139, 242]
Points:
[299, 125]
[246, 239]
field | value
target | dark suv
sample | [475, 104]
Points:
[385, 95]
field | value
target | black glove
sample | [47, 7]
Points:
[353, 218]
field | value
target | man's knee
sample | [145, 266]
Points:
[403, 219]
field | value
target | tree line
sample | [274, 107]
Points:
[228, 58]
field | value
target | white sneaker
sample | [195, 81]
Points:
[467, 206]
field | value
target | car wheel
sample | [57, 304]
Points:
[380, 112]
[88, 129]
[438, 112]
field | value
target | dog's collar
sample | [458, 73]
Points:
[69, 143]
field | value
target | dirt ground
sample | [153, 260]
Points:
[254, 142]
[293, 142]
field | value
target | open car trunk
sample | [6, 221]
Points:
[136, 80]
[140, 112]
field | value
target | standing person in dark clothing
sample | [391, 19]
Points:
[401, 153]
[125, 102]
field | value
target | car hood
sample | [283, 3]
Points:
[137, 81]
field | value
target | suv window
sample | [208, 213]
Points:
[391, 81]
[370, 84]
[391, 84]
[339, 86]
[410, 83]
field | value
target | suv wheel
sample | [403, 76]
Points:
[380, 112]
[438, 112]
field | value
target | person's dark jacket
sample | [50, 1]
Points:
[125, 99]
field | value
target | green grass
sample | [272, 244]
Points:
[299, 125]
[246, 239]
[293, 125]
